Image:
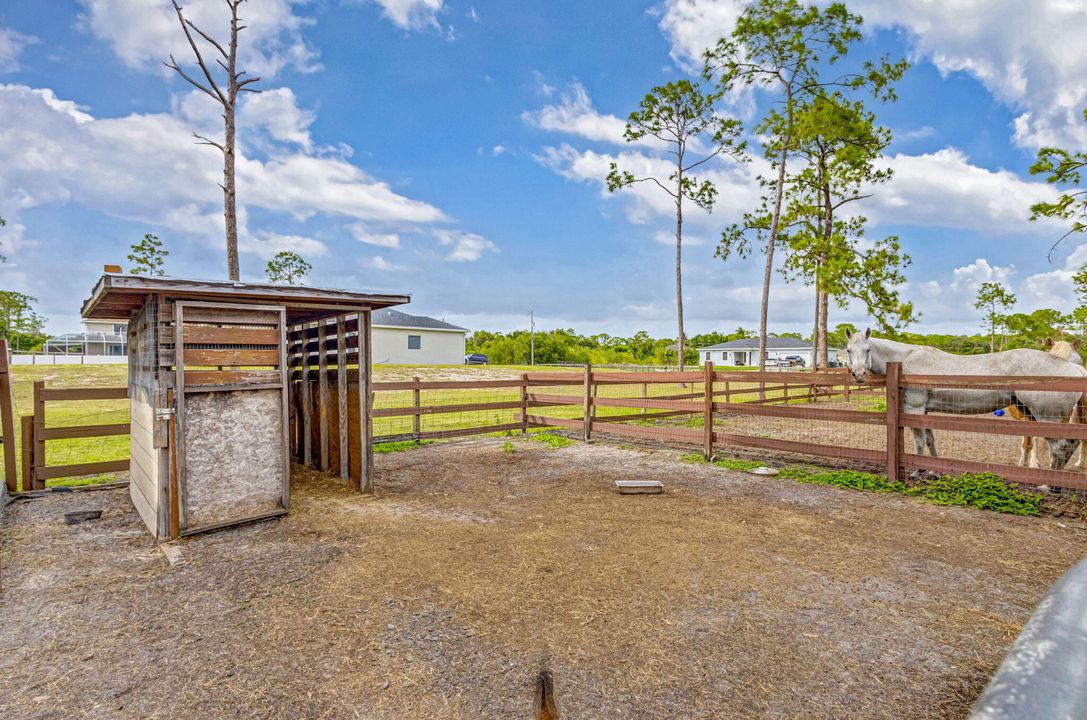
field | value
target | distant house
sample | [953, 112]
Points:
[403, 339]
[99, 337]
[746, 351]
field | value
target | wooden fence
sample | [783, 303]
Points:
[646, 406]
[36, 433]
[7, 417]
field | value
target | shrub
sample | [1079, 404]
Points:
[555, 441]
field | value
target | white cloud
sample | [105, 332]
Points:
[11, 46]
[379, 263]
[944, 189]
[926, 131]
[265, 245]
[13, 241]
[146, 168]
[736, 185]
[412, 14]
[970, 277]
[364, 235]
[143, 34]
[574, 115]
[668, 237]
[466, 247]
[498, 150]
[278, 113]
[1028, 55]
[693, 26]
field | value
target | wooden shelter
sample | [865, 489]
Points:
[220, 377]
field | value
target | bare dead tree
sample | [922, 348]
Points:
[235, 84]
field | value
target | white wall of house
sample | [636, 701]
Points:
[435, 347]
[109, 327]
[750, 357]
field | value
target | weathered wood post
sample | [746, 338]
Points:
[645, 396]
[365, 405]
[322, 394]
[28, 452]
[524, 403]
[39, 436]
[707, 411]
[7, 418]
[307, 403]
[588, 420]
[893, 396]
[417, 418]
[341, 397]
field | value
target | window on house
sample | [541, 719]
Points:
[415, 342]
[120, 328]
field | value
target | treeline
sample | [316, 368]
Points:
[566, 346]
[562, 346]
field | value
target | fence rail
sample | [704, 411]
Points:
[791, 412]
[36, 433]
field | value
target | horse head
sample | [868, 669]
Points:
[859, 349]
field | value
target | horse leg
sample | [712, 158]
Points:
[919, 440]
[1025, 452]
[1036, 455]
[1060, 450]
[930, 439]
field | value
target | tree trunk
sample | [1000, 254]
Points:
[230, 213]
[768, 271]
[815, 332]
[824, 347]
[679, 276]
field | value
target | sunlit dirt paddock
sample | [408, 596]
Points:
[474, 567]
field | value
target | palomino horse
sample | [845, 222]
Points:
[1065, 351]
[869, 355]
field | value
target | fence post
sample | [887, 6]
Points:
[524, 403]
[28, 452]
[39, 436]
[416, 419]
[707, 413]
[588, 421]
[645, 396]
[894, 432]
[7, 418]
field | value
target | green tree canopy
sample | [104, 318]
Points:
[148, 256]
[992, 298]
[1063, 168]
[287, 268]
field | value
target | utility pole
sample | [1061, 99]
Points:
[532, 338]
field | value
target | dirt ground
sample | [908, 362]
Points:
[473, 568]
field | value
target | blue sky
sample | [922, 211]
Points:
[456, 151]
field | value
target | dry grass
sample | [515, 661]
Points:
[473, 568]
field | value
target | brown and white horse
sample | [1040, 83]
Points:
[1030, 453]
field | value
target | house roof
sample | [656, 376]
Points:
[772, 343]
[395, 318]
[116, 296]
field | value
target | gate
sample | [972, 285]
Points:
[230, 390]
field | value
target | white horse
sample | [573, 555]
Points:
[868, 355]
